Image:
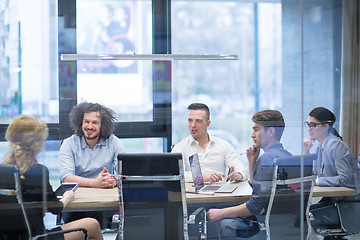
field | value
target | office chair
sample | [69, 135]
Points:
[152, 198]
[290, 192]
[14, 221]
[290, 198]
[335, 219]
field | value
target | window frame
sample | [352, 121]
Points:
[160, 126]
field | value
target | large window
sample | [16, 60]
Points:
[268, 74]
[150, 98]
[28, 60]
[35, 82]
[233, 90]
[289, 59]
[116, 27]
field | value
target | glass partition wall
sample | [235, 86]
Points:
[293, 56]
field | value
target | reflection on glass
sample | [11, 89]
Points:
[115, 27]
[49, 156]
[231, 89]
[28, 60]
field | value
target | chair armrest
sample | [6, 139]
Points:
[201, 222]
[193, 215]
[64, 232]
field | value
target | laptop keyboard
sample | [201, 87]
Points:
[210, 188]
[227, 188]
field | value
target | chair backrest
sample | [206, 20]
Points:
[152, 196]
[13, 218]
[290, 197]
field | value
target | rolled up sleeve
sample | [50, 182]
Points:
[232, 159]
[66, 159]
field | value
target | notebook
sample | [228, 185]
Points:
[199, 184]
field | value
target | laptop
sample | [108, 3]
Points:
[199, 184]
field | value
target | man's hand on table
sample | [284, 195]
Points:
[105, 179]
[212, 177]
[233, 176]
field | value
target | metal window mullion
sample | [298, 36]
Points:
[183, 199]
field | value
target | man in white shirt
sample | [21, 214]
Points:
[215, 154]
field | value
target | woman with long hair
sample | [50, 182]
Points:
[336, 164]
[27, 136]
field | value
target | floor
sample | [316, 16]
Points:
[51, 219]
[112, 236]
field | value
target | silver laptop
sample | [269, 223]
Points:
[199, 184]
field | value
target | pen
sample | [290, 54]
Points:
[228, 174]
[245, 152]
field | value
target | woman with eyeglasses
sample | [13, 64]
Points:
[336, 164]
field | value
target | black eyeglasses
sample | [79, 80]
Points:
[312, 125]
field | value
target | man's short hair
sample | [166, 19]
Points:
[270, 118]
[107, 115]
[200, 106]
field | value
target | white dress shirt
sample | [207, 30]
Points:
[218, 155]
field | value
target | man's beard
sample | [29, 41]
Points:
[91, 137]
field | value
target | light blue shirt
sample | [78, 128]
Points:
[262, 178]
[77, 158]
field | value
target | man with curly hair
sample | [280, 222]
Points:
[89, 155]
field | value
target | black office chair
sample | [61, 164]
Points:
[152, 198]
[335, 218]
[14, 221]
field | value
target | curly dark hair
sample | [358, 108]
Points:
[107, 115]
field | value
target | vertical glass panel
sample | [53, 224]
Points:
[28, 60]
[311, 64]
[116, 27]
[233, 90]
[289, 59]
[145, 145]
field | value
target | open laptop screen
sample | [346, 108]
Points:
[196, 171]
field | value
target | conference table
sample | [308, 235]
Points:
[90, 199]
[97, 199]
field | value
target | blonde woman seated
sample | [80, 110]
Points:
[26, 136]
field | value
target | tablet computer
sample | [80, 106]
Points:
[66, 186]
